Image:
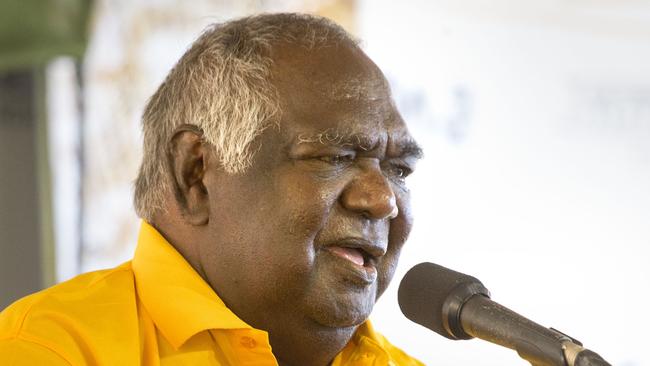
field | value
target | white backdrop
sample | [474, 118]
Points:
[535, 119]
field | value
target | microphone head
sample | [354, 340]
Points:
[432, 296]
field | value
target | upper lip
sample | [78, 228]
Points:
[369, 249]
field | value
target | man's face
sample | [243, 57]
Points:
[312, 231]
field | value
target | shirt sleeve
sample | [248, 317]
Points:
[19, 352]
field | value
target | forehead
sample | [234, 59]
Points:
[333, 88]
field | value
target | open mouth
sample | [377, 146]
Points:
[356, 259]
[357, 251]
[354, 255]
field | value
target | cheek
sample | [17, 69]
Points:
[400, 227]
[299, 211]
[302, 220]
[307, 203]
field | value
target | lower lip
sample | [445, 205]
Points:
[362, 275]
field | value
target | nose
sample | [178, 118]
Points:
[371, 195]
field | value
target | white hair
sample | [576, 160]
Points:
[222, 86]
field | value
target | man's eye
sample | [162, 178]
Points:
[337, 159]
[399, 172]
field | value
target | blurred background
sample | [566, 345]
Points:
[534, 116]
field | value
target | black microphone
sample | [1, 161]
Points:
[458, 306]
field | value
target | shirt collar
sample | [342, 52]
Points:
[178, 300]
[365, 344]
[366, 334]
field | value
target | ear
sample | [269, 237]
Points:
[188, 154]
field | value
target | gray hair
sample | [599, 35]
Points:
[222, 86]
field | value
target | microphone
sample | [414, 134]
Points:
[458, 306]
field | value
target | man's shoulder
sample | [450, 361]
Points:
[66, 316]
[85, 289]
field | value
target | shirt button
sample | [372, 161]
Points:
[248, 342]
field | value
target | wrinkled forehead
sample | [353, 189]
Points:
[332, 73]
[336, 96]
[332, 87]
[354, 88]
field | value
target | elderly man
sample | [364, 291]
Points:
[274, 206]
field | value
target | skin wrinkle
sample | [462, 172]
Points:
[337, 137]
[352, 89]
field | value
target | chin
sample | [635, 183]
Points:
[339, 322]
[342, 314]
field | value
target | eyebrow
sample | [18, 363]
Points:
[338, 138]
[411, 149]
[331, 137]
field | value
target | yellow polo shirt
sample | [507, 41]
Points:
[153, 310]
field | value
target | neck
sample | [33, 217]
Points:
[317, 346]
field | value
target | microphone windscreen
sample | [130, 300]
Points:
[427, 290]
